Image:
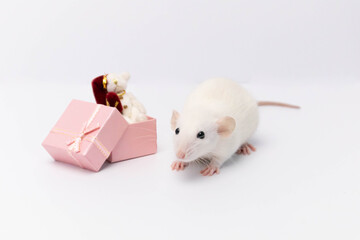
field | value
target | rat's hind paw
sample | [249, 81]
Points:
[245, 149]
[210, 170]
[178, 165]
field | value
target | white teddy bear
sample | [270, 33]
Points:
[133, 110]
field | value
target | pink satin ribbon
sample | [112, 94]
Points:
[74, 144]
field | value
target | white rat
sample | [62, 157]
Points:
[133, 110]
[217, 120]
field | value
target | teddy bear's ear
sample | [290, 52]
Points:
[125, 75]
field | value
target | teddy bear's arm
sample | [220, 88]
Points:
[113, 100]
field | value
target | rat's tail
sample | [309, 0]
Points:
[265, 103]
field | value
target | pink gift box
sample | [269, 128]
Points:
[87, 134]
[138, 140]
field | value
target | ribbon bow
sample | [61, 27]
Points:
[74, 144]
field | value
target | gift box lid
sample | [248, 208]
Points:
[85, 134]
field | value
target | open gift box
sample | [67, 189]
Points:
[87, 134]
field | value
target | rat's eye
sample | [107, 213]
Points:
[201, 135]
[177, 131]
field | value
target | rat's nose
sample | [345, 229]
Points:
[180, 155]
[115, 81]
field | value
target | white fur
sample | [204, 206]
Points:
[135, 111]
[210, 102]
[121, 84]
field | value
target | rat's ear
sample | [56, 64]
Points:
[125, 75]
[226, 126]
[174, 119]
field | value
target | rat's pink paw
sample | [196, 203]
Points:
[210, 170]
[178, 165]
[246, 149]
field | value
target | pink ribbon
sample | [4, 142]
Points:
[74, 144]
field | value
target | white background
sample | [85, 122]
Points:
[301, 183]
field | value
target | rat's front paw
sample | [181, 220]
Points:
[178, 165]
[210, 170]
